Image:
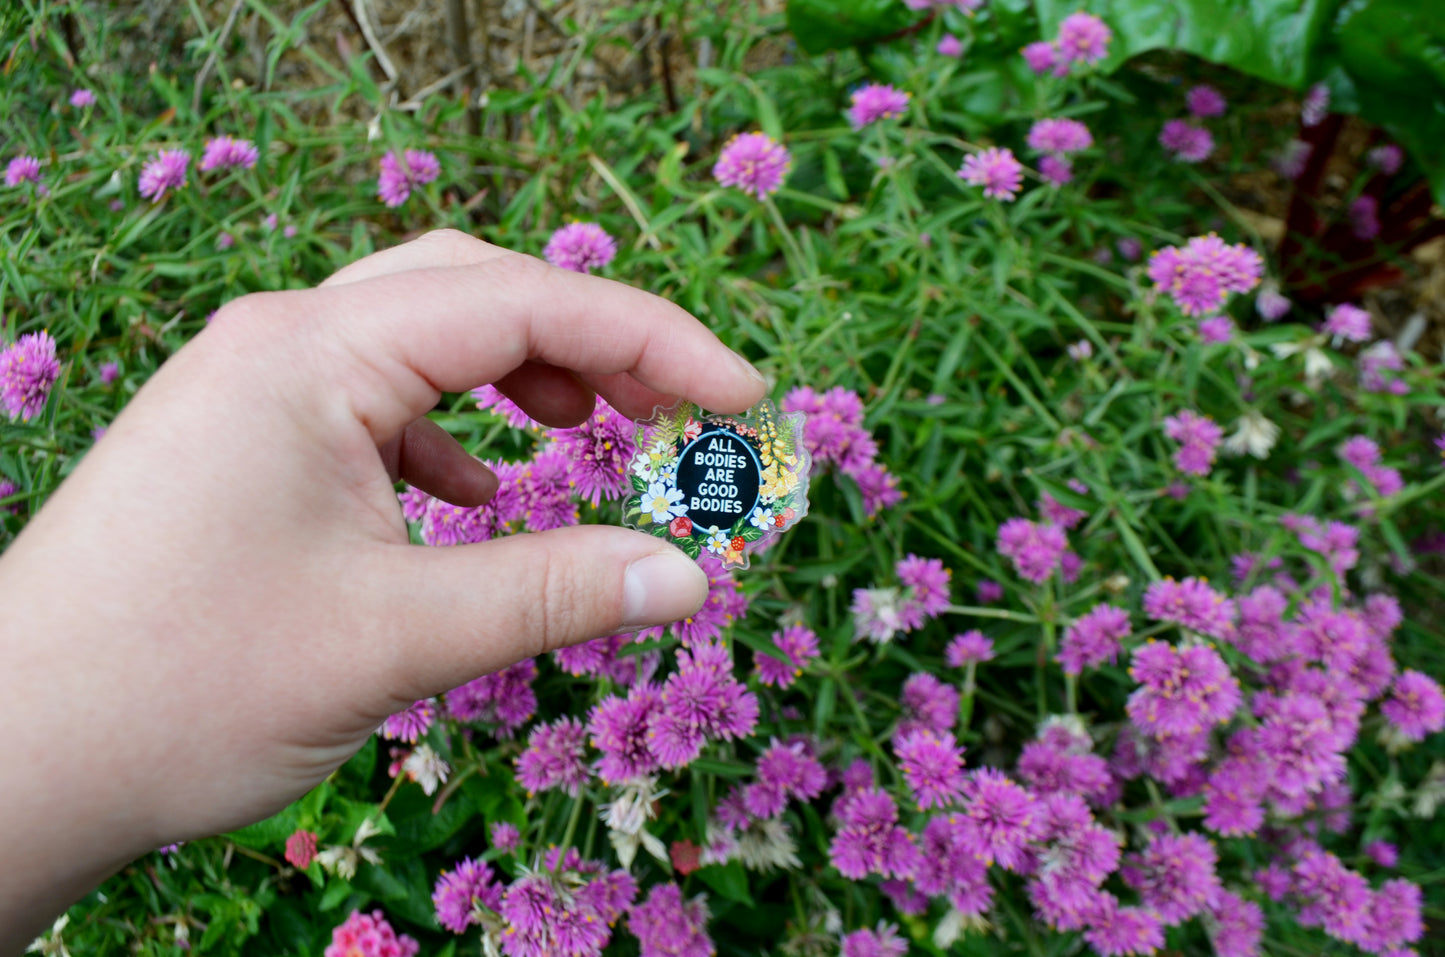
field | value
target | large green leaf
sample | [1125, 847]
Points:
[821, 25]
[1277, 40]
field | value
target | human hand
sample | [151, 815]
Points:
[221, 604]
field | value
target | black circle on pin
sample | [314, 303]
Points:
[719, 475]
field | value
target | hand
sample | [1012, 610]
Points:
[221, 604]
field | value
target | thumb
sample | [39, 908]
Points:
[472, 609]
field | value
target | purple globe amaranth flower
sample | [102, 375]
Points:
[996, 170]
[1293, 157]
[490, 397]
[1416, 706]
[546, 485]
[545, 919]
[1182, 691]
[1387, 159]
[1365, 217]
[1041, 57]
[1175, 876]
[504, 698]
[949, 867]
[834, 430]
[554, 758]
[164, 172]
[1382, 853]
[1034, 548]
[928, 704]
[600, 450]
[753, 163]
[82, 98]
[667, 926]
[22, 169]
[1236, 925]
[785, 771]
[1204, 101]
[621, 729]
[969, 648]
[1060, 136]
[28, 370]
[869, 840]
[1083, 38]
[799, 644]
[876, 101]
[505, 837]
[1216, 330]
[882, 942]
[228, 152]
[1316, 105]
[949, 46]
[109, 372]
[1000, 818]
[580, 247]
[444, 524]
[1347, 322]
[932, 767]
[1188, 143]
[1116, 931]
[410, 724]
[1059, 763]
[1095, 637]
[1200, 275]
[402, 174]
[1060, 514]
[926, 583]
[1056, 170]
[1271, 304]
[458, 892]
[988, 592]
[701, 702]
[1198, 436]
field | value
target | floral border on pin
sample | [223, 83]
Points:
[657, 505]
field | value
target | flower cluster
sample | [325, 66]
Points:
[881, 613]
[834, 434]
[404, 173]
[1082, 39]
[754, 164]
[580, 247]
[1198, 437]
[1200, 276]
[28, 370]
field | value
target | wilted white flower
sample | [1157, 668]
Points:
[626, 817]
[768, 844]
[427, 768]
[1253, 435]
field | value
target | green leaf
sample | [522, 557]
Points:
[821, 25]
[729, 882]
[336, 892]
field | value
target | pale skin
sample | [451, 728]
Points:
[220, 604]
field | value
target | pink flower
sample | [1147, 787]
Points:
[28, 370]
[1061, 136]
[82, 98]
[1083, 38]
[1416, 706]
[410, 724]
[932, 767]
[301, 849]
[1347, 322]
[1365, 217]
[950, 46]
[580, 247]
[1056, 170]
[753, 163]
[1387, 159]
[1316, 105]
[1188, 143]
[22, 169]
[1205, 100]
[799, 644]
[166, 171]
[1198, 437]
[667, 926]
[1292, 159]
[402, 174]
[1200, 275]
[883, 942]
[1035, 549]
[369, 935]
[969, 648]
[996, 170]
[1182, 691]
[1040, 56]
[553, 758]
[460, 890]
[227, 152]
[1216, 330]
[1094, 638]
[1191, 604]
[874, 102]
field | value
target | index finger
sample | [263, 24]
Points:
[394, 342]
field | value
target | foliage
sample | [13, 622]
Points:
[1015, 360]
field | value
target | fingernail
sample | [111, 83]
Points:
[749, 369]
[662, 588]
